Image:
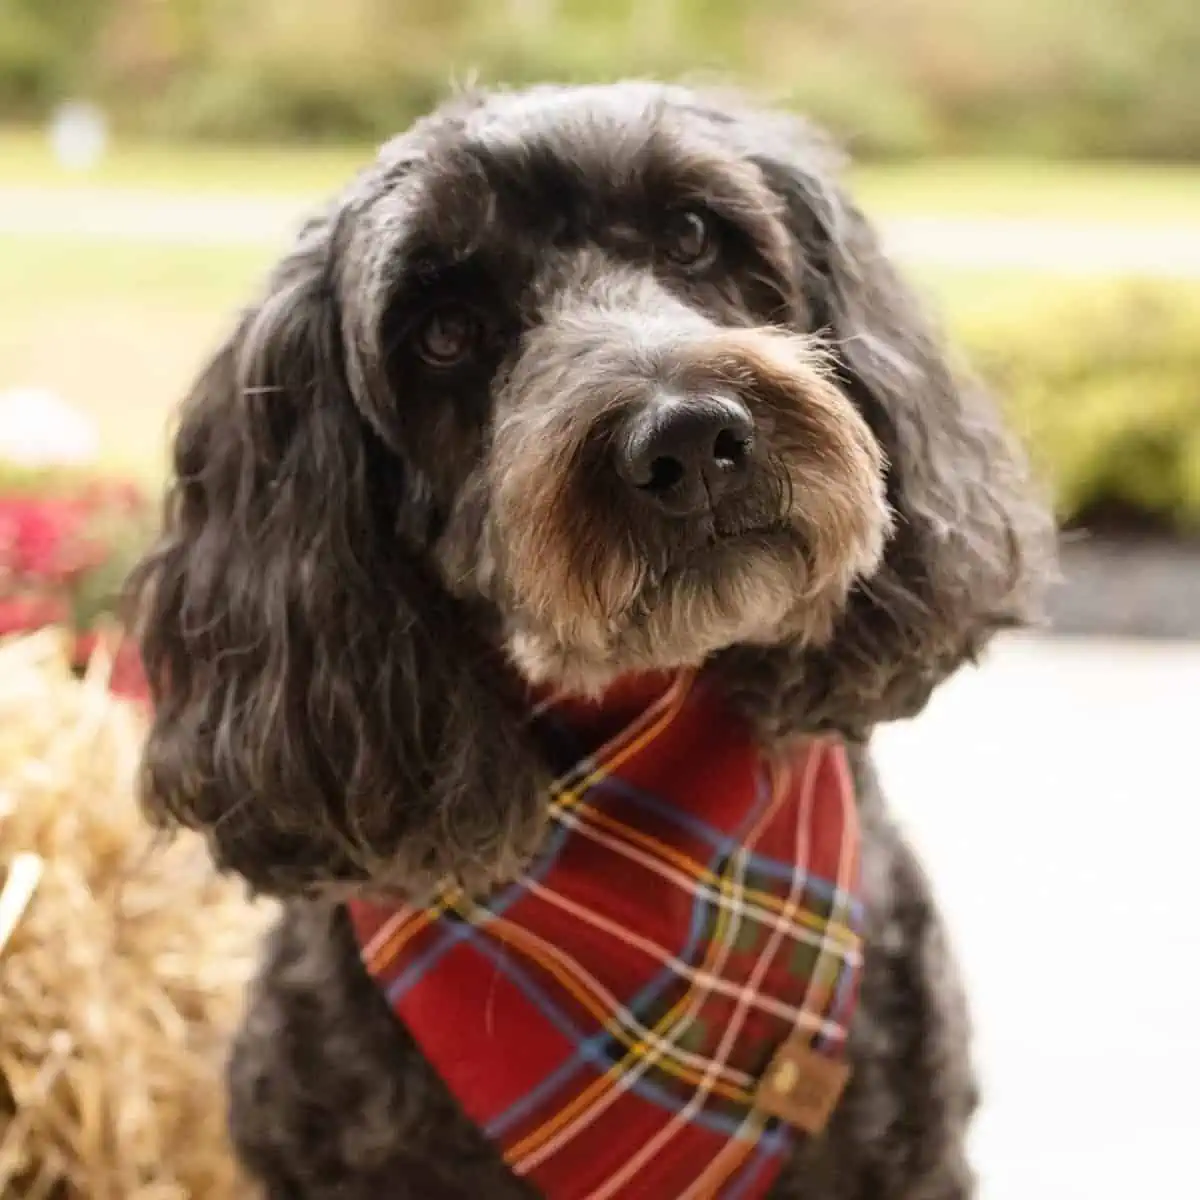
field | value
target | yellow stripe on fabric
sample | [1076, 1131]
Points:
[605, 1083]
[654, 720]
[572, 798]
[659, 1142]
[418, 920]
[519, 939]
[843, 935]
[567, 792]
[635, 1053]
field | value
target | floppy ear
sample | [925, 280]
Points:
[324, 710]
[972, 542]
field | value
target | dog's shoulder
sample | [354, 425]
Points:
[329, 1096]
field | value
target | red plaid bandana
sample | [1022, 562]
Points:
[614, 1019]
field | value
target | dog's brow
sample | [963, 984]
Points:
[427, 265]
[534, 179]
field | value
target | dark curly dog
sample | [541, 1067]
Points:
[569, 383]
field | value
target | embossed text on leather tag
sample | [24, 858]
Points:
[801, 1086]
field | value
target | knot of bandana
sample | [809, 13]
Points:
[611, 1019]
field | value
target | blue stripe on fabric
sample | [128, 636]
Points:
[588, 1049]
[725, 845]
[841, 998]
[588, 1053]
[773, 1142]
[453, 932]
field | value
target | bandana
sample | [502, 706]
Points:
[660, 1003]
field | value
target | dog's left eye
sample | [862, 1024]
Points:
[448, 335]
[689, 238]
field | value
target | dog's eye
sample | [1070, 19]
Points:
[689, 238]
[448, 335]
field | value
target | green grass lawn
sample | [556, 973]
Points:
[25, 158]
[1098, 192]
[1122, 193]
[117, 330]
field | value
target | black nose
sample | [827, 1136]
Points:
[683, 453]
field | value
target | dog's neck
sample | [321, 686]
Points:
[594, 719]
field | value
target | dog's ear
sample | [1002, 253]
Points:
[320, 708]
[972, 539]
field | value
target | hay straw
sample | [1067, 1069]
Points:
[122, 961]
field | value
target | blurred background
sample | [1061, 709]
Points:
[1034, 164]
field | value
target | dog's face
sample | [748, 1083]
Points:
[593, 334]
[578, 382]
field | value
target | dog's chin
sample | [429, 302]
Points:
[753, 588]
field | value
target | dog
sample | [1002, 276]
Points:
[571, 386]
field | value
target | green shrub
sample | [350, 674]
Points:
[892, 77]
[47, 49]
[1102, 379]
[33, 66]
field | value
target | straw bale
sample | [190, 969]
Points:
[122, 958]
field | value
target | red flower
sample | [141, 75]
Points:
[26, 614]
[41, 539]
[65, 544]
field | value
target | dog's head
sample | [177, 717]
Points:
[570, 383]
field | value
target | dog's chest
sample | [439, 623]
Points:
[661, 1001]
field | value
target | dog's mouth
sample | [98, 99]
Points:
[721, 534]
[729, 583]
[721, 545]
[712, 560]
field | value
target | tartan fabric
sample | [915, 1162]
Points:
[606, 1019]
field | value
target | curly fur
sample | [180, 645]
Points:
[365, 560]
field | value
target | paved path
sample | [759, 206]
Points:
[1133, 586]
[115, 214]
[1055, 794]
[228, 219]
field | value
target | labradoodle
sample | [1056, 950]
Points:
[543, 545]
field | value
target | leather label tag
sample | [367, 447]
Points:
[801, 1086]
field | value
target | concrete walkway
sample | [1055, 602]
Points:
[1092, 249]
[1055, 795]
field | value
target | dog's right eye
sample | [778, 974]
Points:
[447, 336]
[689, 238]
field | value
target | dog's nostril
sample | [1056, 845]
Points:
[665, 473]
[732, 449]
[685, 452]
